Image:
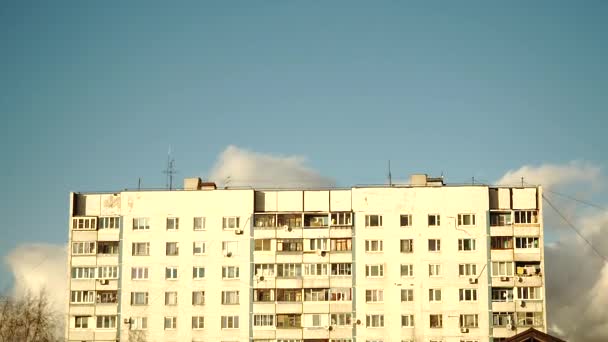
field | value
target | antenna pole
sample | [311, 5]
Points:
[390, 177]
[170, 171]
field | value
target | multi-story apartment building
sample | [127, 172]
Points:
[423, 262]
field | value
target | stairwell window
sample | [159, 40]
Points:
[172, 223]
[373, 221]
[466, 219]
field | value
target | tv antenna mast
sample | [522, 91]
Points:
[170, 170]
[390, 176]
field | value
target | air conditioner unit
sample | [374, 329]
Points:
[464, 330]
[520, 279]
[504, 278]
[238, 231]
[330, 328]
[227, 254]
[472, 280]
[321, 252]
[287, 228]
[522, 304]
[261, 278]
[104, 281]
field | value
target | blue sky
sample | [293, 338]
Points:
[93, 94]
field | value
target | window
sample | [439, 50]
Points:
[465, 270]
[83, 247]
[436, 320]
[106, 297]
[501, 242]
[230, 222]
[289, 270]
[434, 295]
[374, 271]
[374, 321]
[170, 323]
[316, 220]
[199, 223]
[140, 248]
[109, 222]
[263, 320]
[290, 220]
[106, 322]
[289, 321]
[198, 272]
[407, 270]
[266, 270]
[262, 244]
[198, 322]
[84, 223]
[500, 219]
[107, 247]
[316, 295]
[263, 295]
[230, 322]
[198, 248]
[434, 245]
[526, 242]
[316, 269]
[407, 246]
[466, 219]
[468, 321]
[341, 294]
[172, 248]
[502, 294]
[141, 223]
[139, 273]
[407, 321]
[526, 216]
[81, 322]
[171, 272]
[466, 244]
[374, 296]
[318, 245]
[373, 220]
[230, 297]
[407, 295]
[107, 272]
[289, 295]
[434, 220]
[290, 245]
[529, 319]
[198, 297]
[528, 293]
[341, 269]
[341, 219]
[341, 319]
[502, 268]
[501, 319]
[230, 272]
[467, 295]
[83, 272]
[172, 223]
[82, 297]
[139, 298]
[434, 270]
[139, 323]
[405, 220]
[373, 246]
[170, 298]
[230, 248]
[341, 245]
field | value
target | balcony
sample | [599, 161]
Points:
[503, 306]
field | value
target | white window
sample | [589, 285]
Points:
[434, 220]
[139, 323]
[84, 223]
[82, 297]
[436, 320]
[465, 270]
[407, 321]
[139, 273]
[500, 319]
[407, 295]
[230, 248]
[466, 219]
[198, 248]
[434, 245]
[319, 244]
[529, 293]
[341, 219]
[526, 216]
[172, 223]
[262, 245]
[230, 222]
[502, 268]
[171, 272]
[469, 321]
[372, 271]
[373, 246]
[374, 296]
[466, 244]
[263, 320]
[83, 248]
[139, 298]
[407, 246]
[265, 270]
[172, 248]
[109, 222]
[140, 248]
[198, 297]
[199, 223]
[141, 223]
[107, 272]
[316, 295]
[289, 270]
[171, 298]
[230, 297]
[83, 272]
[467, 295]
[316, 269]
[374, 321]
[526, 319]
[502, 294]
[434, 270]
[342, 269]
[230, 272]
[81, 322]
[230, 322]
[407, 270]
[106, 322]
[344, 294]
[341, 319]
[434, 295]
[500, 219]
[373, 220]
[170, 322]
[198, 272]
[526, 242]
[405, 220]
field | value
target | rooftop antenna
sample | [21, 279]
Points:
[522, 182]
[390, 177]
[170, 170]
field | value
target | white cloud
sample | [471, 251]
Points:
[550, 175]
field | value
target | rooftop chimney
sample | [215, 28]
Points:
[198, 184]
[425, 180]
